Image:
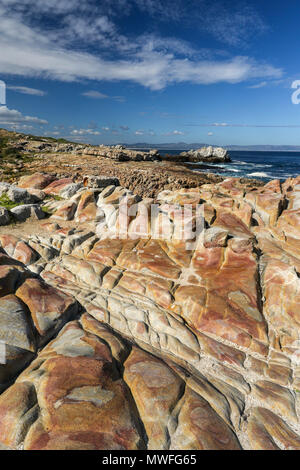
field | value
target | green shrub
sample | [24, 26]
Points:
[7, 203]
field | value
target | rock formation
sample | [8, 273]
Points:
[138, 340]
[121, 153]
[207, 154]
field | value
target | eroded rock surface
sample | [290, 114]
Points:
[117, 333]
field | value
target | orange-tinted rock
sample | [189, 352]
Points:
[56, 187]
[156, 389]
[232, 224]
[83, 403]
[199, 427]
[36, 181]
[66, 211]
[87, 208]
[266, 430]
[49, 308]
[18, 411]
[278, 398]
[17, 249]
[149, 257]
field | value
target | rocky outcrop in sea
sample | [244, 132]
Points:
[207, 154]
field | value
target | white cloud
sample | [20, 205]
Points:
[78, 132]
[224, 124]
[175, 132]
[97, 95]
[12, 116]
[259, 85]
[139, 132]
[210, 133]
[94, 94]
[26, 90]
[153, 62]
[106, 129]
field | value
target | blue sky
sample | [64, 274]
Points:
[108, 71]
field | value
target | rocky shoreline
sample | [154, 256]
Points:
[142, 341]
[146, 173]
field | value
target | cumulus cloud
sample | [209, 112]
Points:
[12, 116]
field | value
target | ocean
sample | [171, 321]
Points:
[259, 165]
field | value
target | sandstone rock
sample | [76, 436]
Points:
[4, 216]
[15, 327]
[266, 430]
[156, 390]
[22, 213]
[177, 346]
[9, 279]
[22, 196]
[70, 190]
[18, 249]
[35, 181]
[87, 208]
[66, 211]
[56, 187]
[49, 308]
[199, 427]
[100, 181]
[82, 402]
[37, 193]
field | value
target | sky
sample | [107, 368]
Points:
[125, 71]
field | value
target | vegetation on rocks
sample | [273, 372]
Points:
[7, 203]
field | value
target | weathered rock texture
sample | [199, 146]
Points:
[207, 154]
[143, 341]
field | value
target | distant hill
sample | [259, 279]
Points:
[180, 146]
[195, 145]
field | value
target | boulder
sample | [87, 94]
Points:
[22, 213]
[38, 193]
[50, 309]
[57, 186]
[18, 249]
[35, 181]
[70, 190]
[100, 181]
[4, 216]
[65, 211]
[21, 196]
